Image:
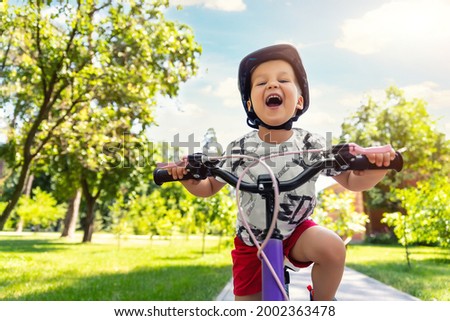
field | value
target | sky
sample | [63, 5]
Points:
[351, 50]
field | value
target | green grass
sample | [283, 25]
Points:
[427, 279]
[44, 267]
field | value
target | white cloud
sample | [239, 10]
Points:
[331, 104]
[228, 92]
[222, 5]
[179, 107]
[436, 97]
[178, 118]
[320, 118]
[413, 27]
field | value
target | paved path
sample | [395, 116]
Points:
[354, 287]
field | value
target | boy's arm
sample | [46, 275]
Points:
[358, 181]
[200, 188]
[363, 180]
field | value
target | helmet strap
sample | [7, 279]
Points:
[287, 125]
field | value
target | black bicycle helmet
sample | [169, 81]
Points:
[284, 52]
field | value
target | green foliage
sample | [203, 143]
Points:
[171, 208]
[118, 212]
[81, 77]
[337, 213]
[400, 123]
[153, 214]
[216, 213]
[427, 218]
[42, 209]
[403, 123]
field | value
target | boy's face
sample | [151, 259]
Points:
[274, 92]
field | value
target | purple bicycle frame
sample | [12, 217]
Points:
[270, 289]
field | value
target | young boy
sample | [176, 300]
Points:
[274, 91]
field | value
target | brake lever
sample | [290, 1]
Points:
[199, 165]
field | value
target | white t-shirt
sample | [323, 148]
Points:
[297, 205]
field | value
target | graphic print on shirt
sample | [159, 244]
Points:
[297, 205]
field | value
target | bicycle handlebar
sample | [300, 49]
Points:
[342, 157]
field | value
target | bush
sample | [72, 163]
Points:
[337, 213]
[42, 209]
[427, 219]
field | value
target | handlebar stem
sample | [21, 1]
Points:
[266, 190]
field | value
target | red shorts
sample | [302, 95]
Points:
[247, 265]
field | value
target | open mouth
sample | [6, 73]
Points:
[274, 101]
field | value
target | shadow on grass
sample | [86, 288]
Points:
[439, 261]
[32, 245]
[186, 283]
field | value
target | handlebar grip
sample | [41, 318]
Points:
[161, 176]
[361, 162]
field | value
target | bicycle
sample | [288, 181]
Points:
[341, 157]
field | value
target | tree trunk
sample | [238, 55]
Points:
[204, 242]
[90, 219]
[17, 192]
[27, 192]
[19, 226]
[91, 201]
[28, 185]
[70, 221]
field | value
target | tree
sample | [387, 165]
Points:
[428, 214]
[400, 123]
[61, 61]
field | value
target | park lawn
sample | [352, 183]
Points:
[428, 278]
[45, 267]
